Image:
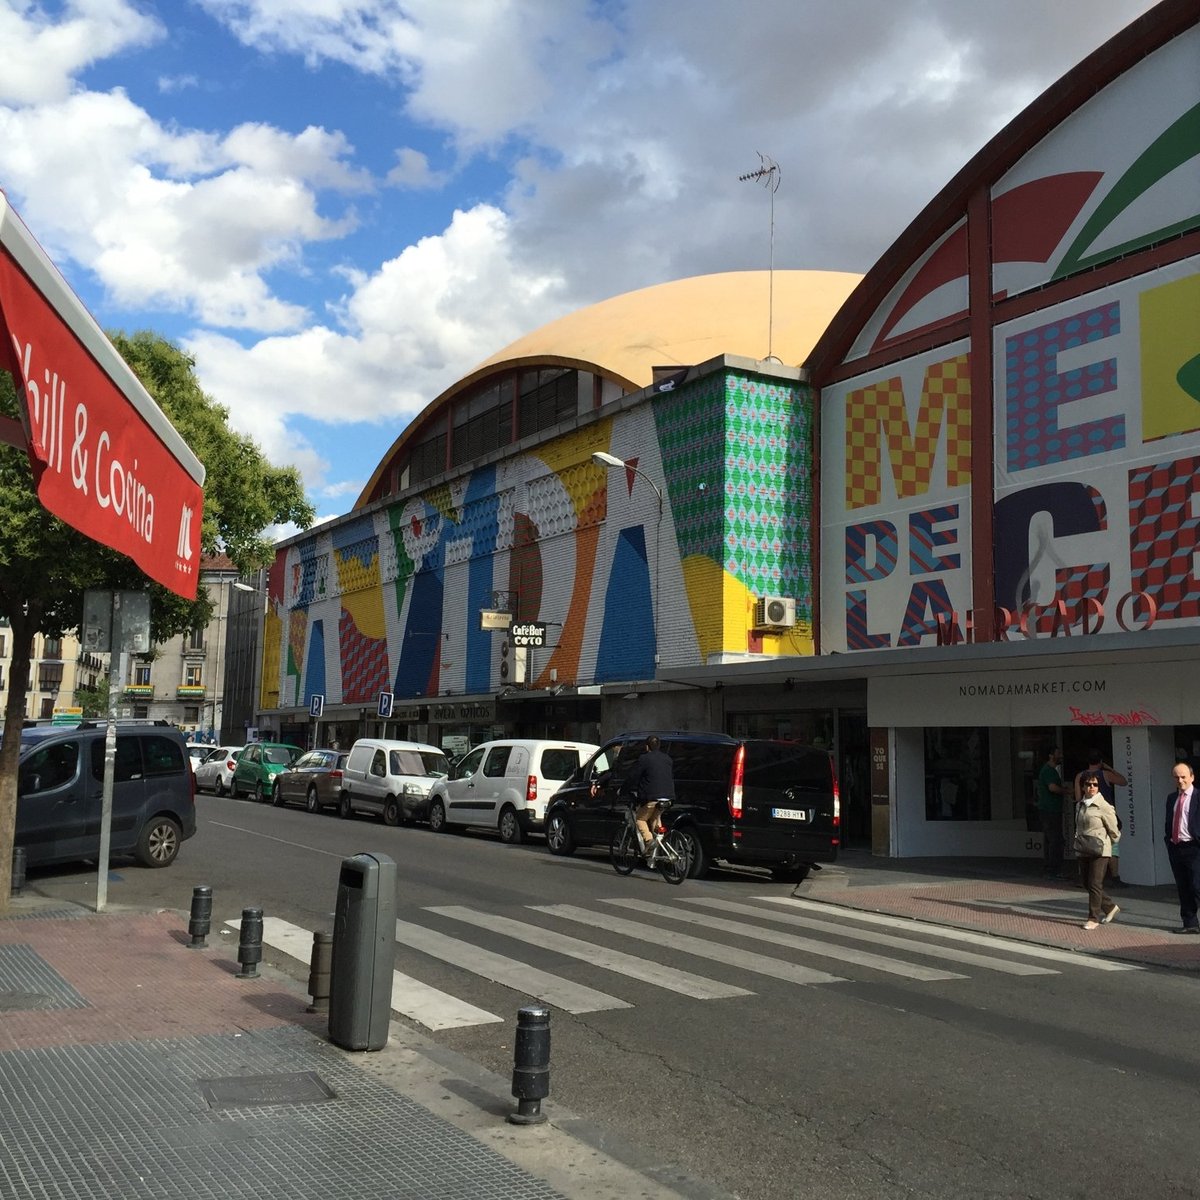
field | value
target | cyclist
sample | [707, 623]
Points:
[652, 781]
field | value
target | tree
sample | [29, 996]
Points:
[45, 565]
[93, 700]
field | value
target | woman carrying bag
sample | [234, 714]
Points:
[1095, 832]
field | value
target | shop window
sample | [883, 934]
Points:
[957, 775]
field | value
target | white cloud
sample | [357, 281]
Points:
[407, 331]
[42, 54]
[179, 220]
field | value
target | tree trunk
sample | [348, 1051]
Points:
[23, 626]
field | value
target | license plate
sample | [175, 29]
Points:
[790, 814]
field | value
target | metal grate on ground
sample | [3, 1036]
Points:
[28, 982]
[132, 1120]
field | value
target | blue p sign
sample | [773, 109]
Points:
[386, 700]
[316, 706]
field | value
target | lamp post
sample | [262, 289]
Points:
[603, 459]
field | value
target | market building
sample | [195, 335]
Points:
[956, 531]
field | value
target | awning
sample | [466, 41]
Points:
[105, 459]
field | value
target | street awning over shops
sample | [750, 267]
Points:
[105, 458]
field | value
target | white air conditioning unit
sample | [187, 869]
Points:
[775, 612]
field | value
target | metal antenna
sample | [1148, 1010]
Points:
[769, 175]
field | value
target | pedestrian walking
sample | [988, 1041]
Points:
[1183, 845]
[1050, 791]
[1110, 779]
[1095, 834]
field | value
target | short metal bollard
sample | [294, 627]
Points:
[250, 943]
[318, 972]
[18, 870]
[531, 1065]
[200, 918]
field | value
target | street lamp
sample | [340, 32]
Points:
[602, 459]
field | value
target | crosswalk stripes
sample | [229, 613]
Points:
[410, 997]
[970, 957]
[1047, 953]
[658, 974]
[499, 968]
[658, 925]
[730, 955]
[847, 954]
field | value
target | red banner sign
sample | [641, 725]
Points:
[98, 463]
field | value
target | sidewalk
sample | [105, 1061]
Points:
[1008, 898]
[133, 1067]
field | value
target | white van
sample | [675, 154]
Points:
[505, 785]
[390, 779]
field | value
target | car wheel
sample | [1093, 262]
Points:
[220, 788]
[437, 817]
[345, 808]
[510, 828]
[159, 842]
[697, 859]
[277, 795]
[260, 795]
[391, 811]
[558, 835]
[235, 789]
[312, 801]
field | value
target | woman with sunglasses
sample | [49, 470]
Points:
[1095, 832]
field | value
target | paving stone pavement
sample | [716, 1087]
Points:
[133, 1067]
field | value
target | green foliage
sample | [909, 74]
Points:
[93, 700]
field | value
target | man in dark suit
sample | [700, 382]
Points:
[1183, 845]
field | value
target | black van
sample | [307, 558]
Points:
[743, 801]
[60, 790]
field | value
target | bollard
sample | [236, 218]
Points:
[200, 918]
[250, 943]
[531, 1065]
[18, 870]
[318, 972]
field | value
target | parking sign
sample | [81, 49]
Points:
[316, 706]
[386, 700]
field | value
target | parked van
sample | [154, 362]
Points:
[390, 779]
[505, 785]
[60, 789]
[743, 801]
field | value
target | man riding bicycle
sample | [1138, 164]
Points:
[652, 782]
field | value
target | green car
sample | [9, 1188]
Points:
[259, 764]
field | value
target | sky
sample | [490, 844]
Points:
[340, 207]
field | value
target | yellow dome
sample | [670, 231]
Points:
[681, 323]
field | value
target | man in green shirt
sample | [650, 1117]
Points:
[1050, 792]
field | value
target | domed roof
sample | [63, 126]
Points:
[689, 321]
[681, 323]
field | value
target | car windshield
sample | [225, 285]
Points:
[420, 762]
[279, 754]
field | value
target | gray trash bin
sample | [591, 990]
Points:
[364, 953]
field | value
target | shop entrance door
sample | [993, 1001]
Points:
[854, 777]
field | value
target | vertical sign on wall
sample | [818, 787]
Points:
[881, 792]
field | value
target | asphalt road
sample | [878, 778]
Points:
[1061, 1083]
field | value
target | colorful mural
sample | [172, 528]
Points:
[1095, 400]
[390, 599]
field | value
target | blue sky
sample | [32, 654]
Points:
[339, 207]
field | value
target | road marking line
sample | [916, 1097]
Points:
[847, 954]
[881, 939]
[760, 964]
[654, 973]
[958, 935]
[410, 997]
[521, 977]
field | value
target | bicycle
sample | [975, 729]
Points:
[668, 848]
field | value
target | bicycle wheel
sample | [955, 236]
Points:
[673, 864]
[623, 851]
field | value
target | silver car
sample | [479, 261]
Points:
[215, 772]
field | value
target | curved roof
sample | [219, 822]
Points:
[1142, 37]
[684, 322]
